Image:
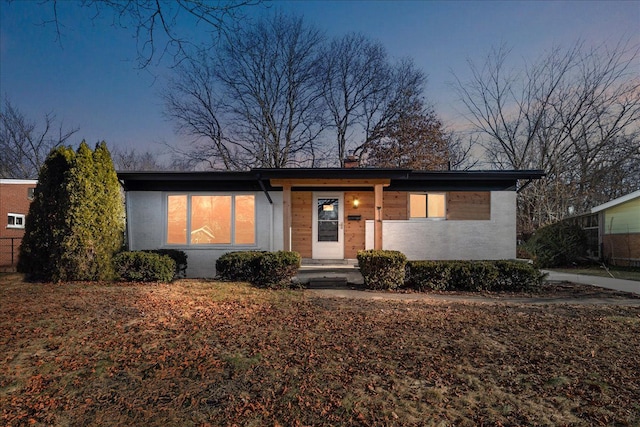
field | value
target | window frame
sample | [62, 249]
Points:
[16, 216]
[191, 245]
[427, 217]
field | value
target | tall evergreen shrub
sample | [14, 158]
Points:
[75, 223]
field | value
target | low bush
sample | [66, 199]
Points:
[382, 269]
[428, 275]
[517, 276]
[265, 269]
[237, 266]
[495, 276]
[141, 266]
[557, 245]
[473, 276]
[276, 269]
[180, 258]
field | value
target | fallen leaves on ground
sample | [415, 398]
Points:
[205, 353]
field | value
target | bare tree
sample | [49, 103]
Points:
[253, 102]
[130, 159]
[415, 140]
[155, 22]
[355, 71]
[573, 113]
[24, 145]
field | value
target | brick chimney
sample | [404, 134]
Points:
[351, 162]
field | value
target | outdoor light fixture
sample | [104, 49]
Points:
[356, 202]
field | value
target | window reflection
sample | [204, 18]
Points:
[245, 220]
[177, 220]
[212, 219]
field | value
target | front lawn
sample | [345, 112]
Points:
[202, 353]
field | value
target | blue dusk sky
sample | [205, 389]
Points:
[90, 78]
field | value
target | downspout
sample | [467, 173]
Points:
[524, 186]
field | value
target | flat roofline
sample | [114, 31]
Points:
[335, 173]
[18, 181]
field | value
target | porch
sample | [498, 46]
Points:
[333, 273]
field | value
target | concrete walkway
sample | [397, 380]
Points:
[480, 299]
[603, 282]
[345, 281]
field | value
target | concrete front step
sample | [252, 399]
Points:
[322, 274]
[309, 262]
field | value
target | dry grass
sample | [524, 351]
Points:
[208, 353]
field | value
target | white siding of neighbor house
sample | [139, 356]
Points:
[454, 240]
[146, 229]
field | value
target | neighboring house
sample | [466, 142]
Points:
[324, 213]
[619, 229]
[15, 197]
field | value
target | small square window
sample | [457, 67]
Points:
[15, 220]
[427, 205]
[31, 193]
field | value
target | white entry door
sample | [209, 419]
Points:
[328, 226]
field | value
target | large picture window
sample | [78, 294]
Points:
[429, 205]
[211, 219]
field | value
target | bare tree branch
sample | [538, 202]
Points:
[156, 23]
[23, 146]
[574, 113]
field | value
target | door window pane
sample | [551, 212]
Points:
[328, 214]
[177, 220]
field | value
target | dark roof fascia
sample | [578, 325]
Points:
[336, 173]
[189, 181]
[401, 179]
[502, 180]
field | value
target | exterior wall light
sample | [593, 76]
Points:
[356, 203]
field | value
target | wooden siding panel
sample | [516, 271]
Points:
[395, 205]
[469, 205]
[354, 231]
[301, 222]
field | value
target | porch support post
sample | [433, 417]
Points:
[286, 216]
[377, 223]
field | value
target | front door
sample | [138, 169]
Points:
[328, 226]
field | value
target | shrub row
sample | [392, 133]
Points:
[264, 269]
[139, 266]
[390, 270]
[382, 269]
[473, 276]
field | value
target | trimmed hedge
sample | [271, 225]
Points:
[139, 266]
[493, 276]
[382, 269]
[237, 266]
[178, 256]
[264, 269]
[276, 269]
[428, 275]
